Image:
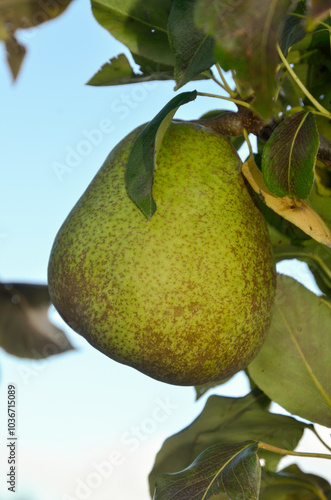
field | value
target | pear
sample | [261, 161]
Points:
[186, 296]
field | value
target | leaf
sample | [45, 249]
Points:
[118, 71]
[291, 483]
[227, 421]
[245, 41]
[193, 49]
[290, 208]
[289, 156]
[15, 55]
[140, 167]
[317, 10]
[234, 470]
[293, 29]
[293, 366]
[141, 26]
[316, 256]
[25, 330]
[24, 14]
[200, 390]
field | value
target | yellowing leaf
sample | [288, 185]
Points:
[290, 208]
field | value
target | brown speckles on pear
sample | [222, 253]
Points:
[185, 297]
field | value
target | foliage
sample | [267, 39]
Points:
[278, 54]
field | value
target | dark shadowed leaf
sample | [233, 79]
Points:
[25, 329]
[227, 421]
[118, 71]
[293, 367]
[140, 167]
[245, 41]
[234, 470]
[293, 29]
[140, 25]
[293, 484]
[289, 156]
[193, 49]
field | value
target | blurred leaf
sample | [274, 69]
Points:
[140, 167]
[234, 470]
[317, 10]
[292, 209]
[25, 329]
[286, 485]
[245, 37]
[193, 49]
[24, 14]
[140, 25]
[293, 367]
[227, 421]
[289, 156]
[118, 71]
[15, 55]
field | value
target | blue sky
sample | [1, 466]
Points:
[78, 410]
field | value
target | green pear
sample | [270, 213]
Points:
[185, 297]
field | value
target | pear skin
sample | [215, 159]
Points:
[185, 297]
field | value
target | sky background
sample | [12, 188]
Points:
[80, 409]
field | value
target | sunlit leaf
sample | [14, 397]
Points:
[290, 208]
[25, 329]
[140, 167]
[118, 71]
[141, 26]
[245, 37]
[293, 367]
[289, 156]
[227, 421]
[193, 49]
[233, 469]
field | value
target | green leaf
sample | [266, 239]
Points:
[293, 366]
[193, 49]
[293, 29]
[234, 470]
[200, 390]
[316, 256]
[118, 71]
[245, 36]
[277, 223]
[140, 167]
[227, 421]
[289, 156]
[25, 329]
[141, 26]
[291, 484]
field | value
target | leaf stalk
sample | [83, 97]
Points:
[282, 451]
